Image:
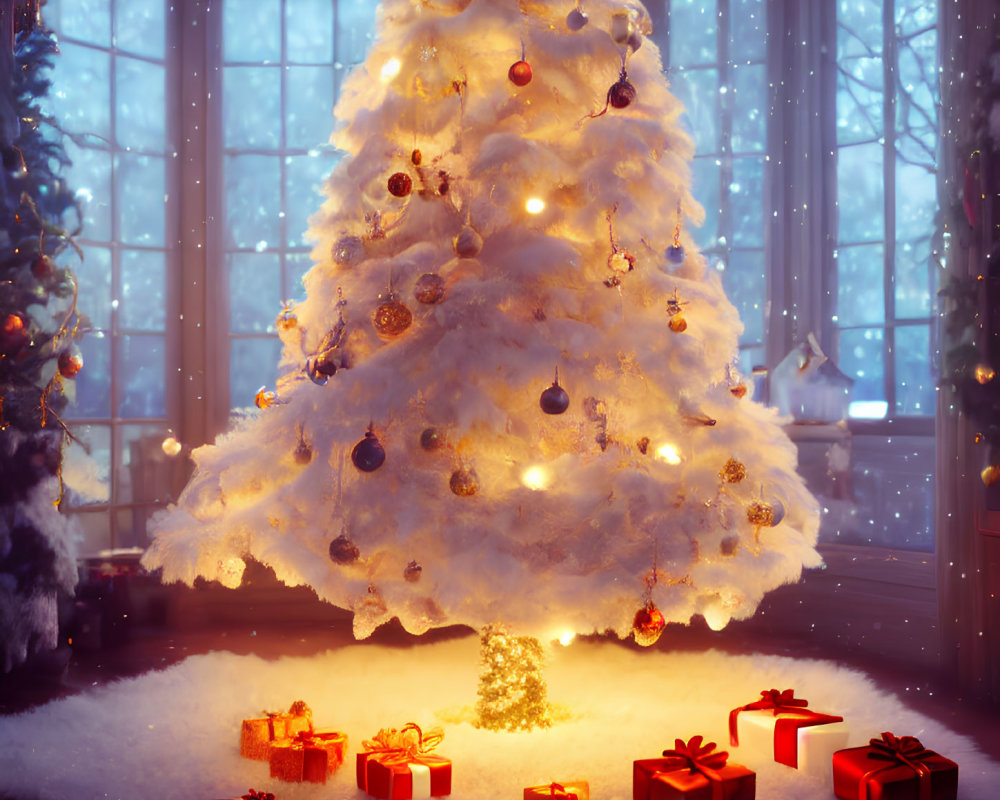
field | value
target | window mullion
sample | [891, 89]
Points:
[889, 56]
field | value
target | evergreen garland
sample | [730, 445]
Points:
[39, 325]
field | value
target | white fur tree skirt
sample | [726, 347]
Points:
[175, 733]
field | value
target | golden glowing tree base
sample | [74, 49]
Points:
[512, 692]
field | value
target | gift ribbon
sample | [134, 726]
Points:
[558, 790]
[701, 758]
[785, 701]
[899, 750]
[394, 746]
[786, 730]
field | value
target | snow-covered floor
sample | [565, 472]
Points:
[175, 733]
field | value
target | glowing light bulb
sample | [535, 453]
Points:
[390, 69]
[566, 638]
[669, 454]
[535, 478]
[171, 446]
[535, 205]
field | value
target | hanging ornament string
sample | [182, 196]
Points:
[620, 261]
[520, 71]
[620, 95]
[675, 253]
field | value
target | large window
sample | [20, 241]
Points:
[109, 95]
[199, 172]
[887, 100]
[283, 61]
[717, 69]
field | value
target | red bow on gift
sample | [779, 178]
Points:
[558, 790]
[780, 702]
[898, 750]
[703, 758]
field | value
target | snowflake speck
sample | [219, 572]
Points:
[427, 52]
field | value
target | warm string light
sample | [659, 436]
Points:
[534, 205]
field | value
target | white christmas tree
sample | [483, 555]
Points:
[510, 394]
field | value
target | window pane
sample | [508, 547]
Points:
[251, 30]
[87, 20]
[309, 31]
[705, 185]
[93, 275]
[141, 190]
[748, 30]
[140, 27]
[144, 470]
[746, 194]
[746, 283]
[252, 107]
[861, 289]
[859, 28]
[860, 193]
[142, 370]
[253, 201]
[90, 176]
[255, 292]
[696, 23]
[92, 485]
[304, 179]
[862, 359]
[698, 90]
[140, 116]
[915, 387]
[296, 266]
[143, 305]
[140, 103]
[93, 390]
[81, 95]
[252, 363]
[749, 109]
[309, 106]
[355, 22]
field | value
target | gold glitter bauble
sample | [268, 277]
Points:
[391, 318]
[464, 482]
[677, 323]
[760, 514]
[990, 475]
[733, 472]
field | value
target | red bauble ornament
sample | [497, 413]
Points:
[13, 324]
[648, 624]
[70, 363]
[400, 184]
[520, 73]
[621, 94]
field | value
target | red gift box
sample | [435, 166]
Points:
[692, 771]
[397, 765]
[574, 790]
[309, 757]
[893, 768]
[257, 735]
[792, 713]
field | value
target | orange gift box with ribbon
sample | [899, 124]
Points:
[398, 765]
[798, 736]
[311, 756]
[574, 790]
[894, 768]
[257, 735]
[692, 771]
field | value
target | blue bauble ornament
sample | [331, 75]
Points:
[675, 254]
